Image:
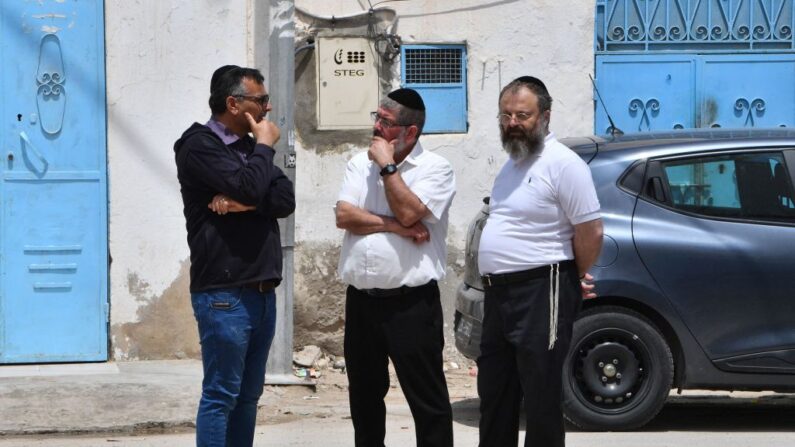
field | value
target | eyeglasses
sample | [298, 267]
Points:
[384, 121]
[521, 117]
[261, 100]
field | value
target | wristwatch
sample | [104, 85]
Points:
[388, 169]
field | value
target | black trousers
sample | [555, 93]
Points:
[408, 330]
[515, 360]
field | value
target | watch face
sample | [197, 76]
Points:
[389, 169]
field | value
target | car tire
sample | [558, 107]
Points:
[618, 372]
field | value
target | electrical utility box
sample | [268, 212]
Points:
[348, 88]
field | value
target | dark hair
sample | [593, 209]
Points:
[534, 85]
[405, 116]
[229, 82]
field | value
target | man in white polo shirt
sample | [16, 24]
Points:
[393, 205]
[543, 234]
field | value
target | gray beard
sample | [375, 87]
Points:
[521, 147]
[400, 144]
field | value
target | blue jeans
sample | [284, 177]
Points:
[236, 327]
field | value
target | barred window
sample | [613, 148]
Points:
[433, 66]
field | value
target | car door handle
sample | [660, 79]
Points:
[656, 190]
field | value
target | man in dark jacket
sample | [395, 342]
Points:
[233, 194]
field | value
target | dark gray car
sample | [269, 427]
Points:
[696, 279]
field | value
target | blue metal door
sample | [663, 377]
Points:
[671, 64]
[646, 92]
[53, 193]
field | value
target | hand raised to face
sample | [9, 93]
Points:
[381, 151]
[265, 132]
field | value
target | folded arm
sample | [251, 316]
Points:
[407, 207]
[220, 169]
[362, 222]
[278, 203]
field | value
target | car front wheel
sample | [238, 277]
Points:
[618, 372]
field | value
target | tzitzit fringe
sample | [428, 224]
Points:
[554, 292]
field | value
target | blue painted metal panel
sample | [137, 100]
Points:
[747, 91]
[643, 93]
[438, 73]
[53, 183]
[669, 91]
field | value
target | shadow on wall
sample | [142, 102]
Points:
[166, 328]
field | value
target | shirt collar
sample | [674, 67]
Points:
[413, 157]
[547, 139]
[223, 132]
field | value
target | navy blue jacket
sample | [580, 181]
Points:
[236, 248]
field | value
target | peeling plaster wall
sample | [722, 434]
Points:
[160, 56]
[550, 39]
[320, 297]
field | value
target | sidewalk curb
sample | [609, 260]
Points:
[140, 428]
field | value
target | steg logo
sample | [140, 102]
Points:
[352, 57]
[355, 57]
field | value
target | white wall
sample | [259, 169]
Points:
[160, 56]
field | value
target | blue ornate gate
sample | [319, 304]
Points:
[53, 194]
[669, 64]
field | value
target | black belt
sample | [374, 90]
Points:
[261, 286]
[503, 279]
[402, 290]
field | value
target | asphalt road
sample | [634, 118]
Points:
[693, 420]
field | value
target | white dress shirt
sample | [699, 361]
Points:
[534, 206]
[386, 260]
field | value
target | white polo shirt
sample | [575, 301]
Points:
[534, 206]
[387, 260]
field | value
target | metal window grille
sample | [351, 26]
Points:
[433, 66]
